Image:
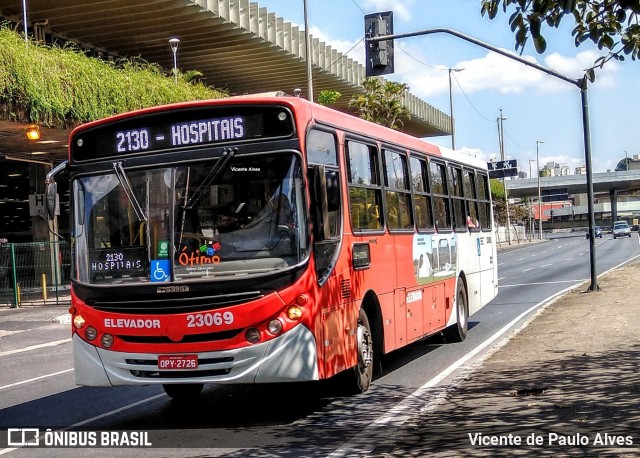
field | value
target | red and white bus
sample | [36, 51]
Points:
[266, 240]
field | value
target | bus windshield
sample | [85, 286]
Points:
[243, 215]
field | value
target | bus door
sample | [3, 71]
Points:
[326, 214]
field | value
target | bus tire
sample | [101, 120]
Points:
[361, 375]
[183, 392]
[458, 332]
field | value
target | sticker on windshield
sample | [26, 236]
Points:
[159, 270]
[163, 249]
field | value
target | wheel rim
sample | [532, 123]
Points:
[365, 347]
[462, 307]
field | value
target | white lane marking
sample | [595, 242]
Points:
[34, 347]
[113, 412]
[35, 378]
[527, 270]
[521, 259]
[546, 282]
[545, 265]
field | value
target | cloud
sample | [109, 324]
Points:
[343, 46]
[493, 72]
[478, 153]
[402, 9]
[575, 66]
[489, 72]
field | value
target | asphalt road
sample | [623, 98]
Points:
[37, 387]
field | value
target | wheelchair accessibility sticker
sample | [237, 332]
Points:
[160, 270]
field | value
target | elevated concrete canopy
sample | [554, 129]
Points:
[236, 44]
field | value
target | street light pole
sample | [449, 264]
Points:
[530, 172]
[532, 230]
[174, 42]
[626, 161]
[504, 180]
[453, 126]
[308, 52]
[539, 196]
[24, 18]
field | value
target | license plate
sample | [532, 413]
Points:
[177, 362]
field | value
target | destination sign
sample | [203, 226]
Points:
[180, 128]
[123, 262]
[182, 134]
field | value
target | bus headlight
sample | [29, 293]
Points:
[107, 340]
[90, 333]
[252, 335]
[78, 322]
[274, 327]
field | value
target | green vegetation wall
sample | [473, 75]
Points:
[62, 87]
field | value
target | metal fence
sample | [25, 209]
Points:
[34, 273]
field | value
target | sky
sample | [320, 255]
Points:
[537, 107]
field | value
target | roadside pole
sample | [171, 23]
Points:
[16, 295]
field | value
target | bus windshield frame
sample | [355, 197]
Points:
[232, 216]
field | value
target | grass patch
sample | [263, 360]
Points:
[61, 87]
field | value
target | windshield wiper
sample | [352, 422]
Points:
[214, 173]
[128, 189]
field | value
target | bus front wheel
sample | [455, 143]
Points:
[458, 332]
[362, 374]
[183, 392]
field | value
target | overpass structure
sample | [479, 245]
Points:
[609, 182]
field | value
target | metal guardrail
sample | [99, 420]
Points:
[34, 273]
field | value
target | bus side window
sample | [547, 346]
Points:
[365, 191]
[457, 198]
[321, 149]
[398, 193]
[439, 186]
[484, 205]
[421, 194]
[472, 203]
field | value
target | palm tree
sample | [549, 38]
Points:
[381, 102]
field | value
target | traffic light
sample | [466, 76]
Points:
[379, 54]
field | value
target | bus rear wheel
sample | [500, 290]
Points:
[183, 392]
[458, 332]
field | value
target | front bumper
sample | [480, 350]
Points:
[287, 358]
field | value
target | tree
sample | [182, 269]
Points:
[613, 25]
[328, 97]
[518, 212]
[381, 102]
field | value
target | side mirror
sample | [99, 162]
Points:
[333, 191]
[52, 204]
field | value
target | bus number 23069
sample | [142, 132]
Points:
[200, 320]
